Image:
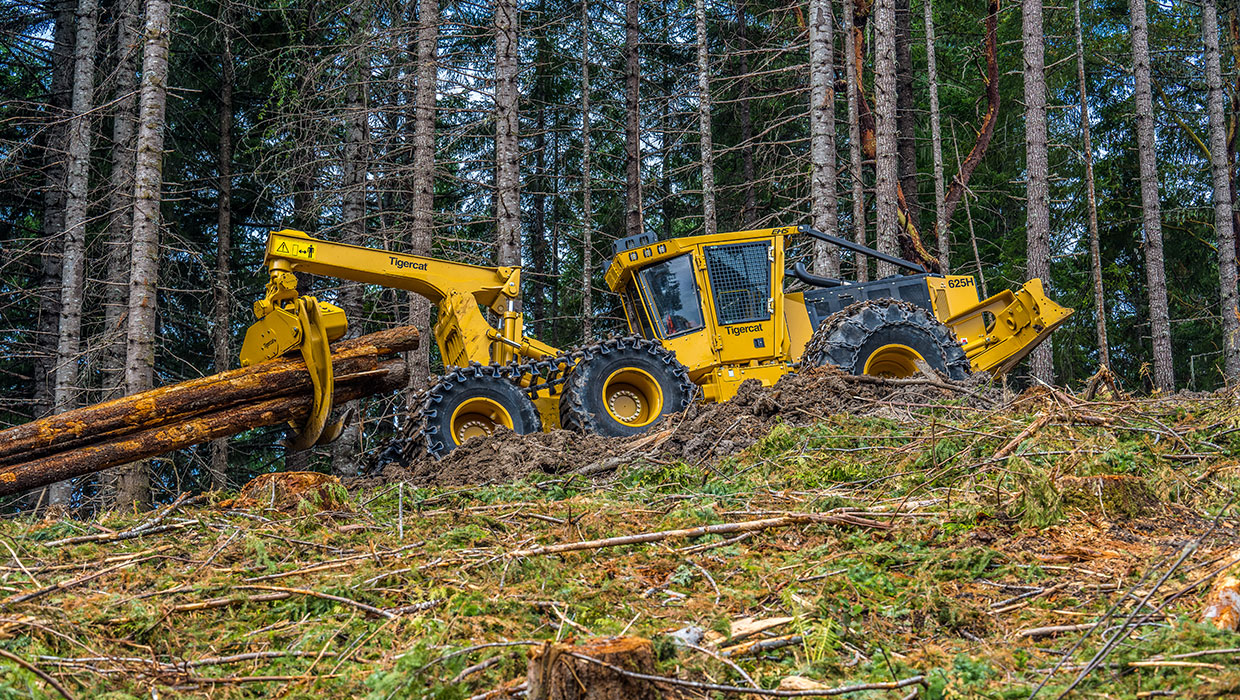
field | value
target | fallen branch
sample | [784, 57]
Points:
[720, 529]
[38, 672]
[714, 687]
[325, 596]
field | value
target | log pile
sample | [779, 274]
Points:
[169, 418]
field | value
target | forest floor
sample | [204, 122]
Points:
[862, 533]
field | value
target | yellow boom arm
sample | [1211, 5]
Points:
[288, 321]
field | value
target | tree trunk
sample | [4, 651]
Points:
[423, 184]
[355, 168]
[936, 141]
[555, 674]
[1155, 274]
[886, 169]
[133, 484]
[221, 332]
[633, 224]
[587, 204]
[986, 131]
[1038, 224]
[905, 111]
[1091, 200]
[120, 199]
[77, 197]
[855, 149]
[59, 104]
[507, 144]
[749, 207]
[709, 223]
[1223, 215]
[823, 201]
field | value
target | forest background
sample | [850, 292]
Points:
[146, 149]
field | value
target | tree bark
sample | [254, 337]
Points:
[221, 331]
[587, 203]
[855, 149]
[133, 484]
[709, 223]
[749, 207]
[54, 165]
[120, 199]
[1091, 200]
[1223, 214]
[77, 195]
[906, 115]
[193, 398]
[554, 674]
[152, 441]
[423, 183]
[1155, 274]
[824, 204]
[1038, 224]
[936, 142]
[633, 224]
[886, 169]
[355, 167]
[507, 146]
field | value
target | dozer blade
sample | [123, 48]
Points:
[1021, 321]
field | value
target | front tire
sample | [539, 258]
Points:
[471, 402]
[886, 338]
[622, 387]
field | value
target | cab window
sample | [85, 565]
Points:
[638, 323]
[740, 279]
[673, 295]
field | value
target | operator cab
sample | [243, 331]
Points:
[710, 299]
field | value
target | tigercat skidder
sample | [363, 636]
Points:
[704, 312]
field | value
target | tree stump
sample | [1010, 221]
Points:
[554, 675]
[1113, 495]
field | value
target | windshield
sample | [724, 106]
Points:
[673, 294]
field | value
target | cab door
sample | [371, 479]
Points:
[740, 279]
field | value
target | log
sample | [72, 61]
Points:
[553, 674]
[151, 441]
[194, 398]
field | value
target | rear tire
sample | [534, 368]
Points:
[474, 401]
[622, 387]
[885, 337]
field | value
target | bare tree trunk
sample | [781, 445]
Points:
[423, 184]
[133, 484]
[1091, 200]
[1223, 214]
[59, 104]
[936, 141]
[1038, 223]
[587, 203]
[905, 114]
[749, 207]
[886, 168]
[507, 145]
[222, 329]
[633, 224]
[709, 224]
[120, 199]
[77, 198]
[855, 149]
[1155, 274]
[354, 167]
[823, 201]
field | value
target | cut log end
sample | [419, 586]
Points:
[555, 675]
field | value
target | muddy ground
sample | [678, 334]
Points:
[702, 434]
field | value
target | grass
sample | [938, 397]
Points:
[968, 532]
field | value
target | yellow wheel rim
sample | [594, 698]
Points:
[633, 397]
[893, 360]
[478, 417]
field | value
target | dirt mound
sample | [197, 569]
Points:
[702, 433]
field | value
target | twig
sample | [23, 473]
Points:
[824, 692]
[747, 526]
[64, 585]
[325, 596]
[36, 671]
